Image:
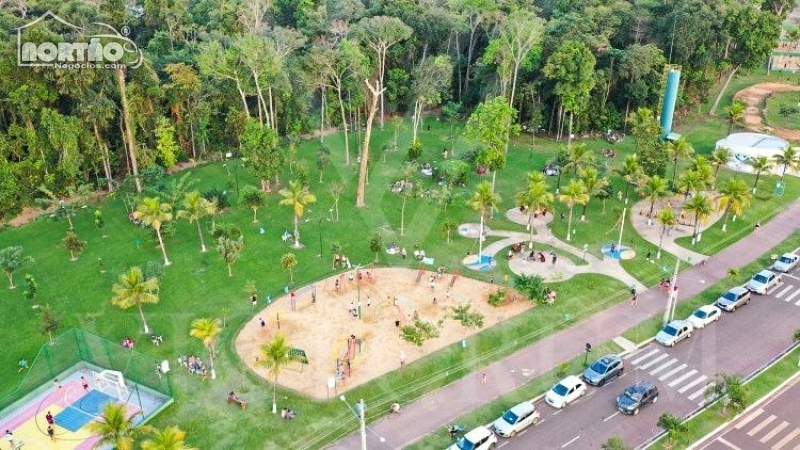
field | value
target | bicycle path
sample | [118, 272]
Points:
[431, 412]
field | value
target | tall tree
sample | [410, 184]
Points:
[631, 171]
[483, 200]
[133, 289]
[574, 194]
[288, 263]
[128, 126]
[431, 84]
[535, 199]
[734, 114]
[653, 189]
[116, 427]
[734, 197]
[580, 157]
[699, 206]
[760, 164]
[519, 32]
[224, 64]
[297, 197]
[379, 33]
[666, 220]
[361, 190]
[229, 246]
[11, 260]
[719, 157]
[275, 356]
[206, 331]
[155, 214]
[571, 67]
[681, 148]
[595, 186]
[260, 148]
[194, 209]
[491, 125]
[170, 438]
[789, 159]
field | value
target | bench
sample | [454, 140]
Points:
[238, 401]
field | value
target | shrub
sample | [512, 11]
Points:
[414, 151]
[217, 196]
[797, 334]
[496, 298]
[419, 332]
[562, 370]
[530, 285]
[468, 319]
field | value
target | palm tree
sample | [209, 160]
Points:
[297, 196]
[732, 387]
[720, 157]
[653, 189]
[735, 114]
[702, 167]
[483, 200]
[535, 198]
[594, 185]
[760, 164]
[614, 443]
[447, 227]
[133, 289]
[674, 427]
[690, 181]
[275, 355]
[116, 428]
[170, 438]
[561, 161]
[253, 198]
[195, 208]
[574, 194]
[700, 206]
[734, 197]
[789, 159]
[154, 214]
[630, 171]
[666, 219]
[580, 157]
[289, 262]
[207, 330]
[679, 149]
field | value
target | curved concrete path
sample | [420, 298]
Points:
[650, 232]
[564, 268]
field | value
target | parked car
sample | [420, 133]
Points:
[479, 438]
[565, 392]
[603, 370]
[786, 262]
[704, 315]
[674, 332]
[516, 419]
[764, 281]
[734, 298]
[637, 396]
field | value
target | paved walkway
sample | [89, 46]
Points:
[650, 230]
[434, 410]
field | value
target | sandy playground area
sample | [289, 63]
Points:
[322, 329]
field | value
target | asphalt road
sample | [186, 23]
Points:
[739, 343]
[772, 425]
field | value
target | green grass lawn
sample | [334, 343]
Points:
[196, 284]
[783, 110]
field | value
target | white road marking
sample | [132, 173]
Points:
[747, 419]
[791, 276]
[774, 431]
[571, 441]
[700, 392]
[558, 412]
[792, 296]
[784, 291]
[672, 372]
[504, 443]
[798, 303]
[645, 356]
[692, 384]
[664, 366]
[611, 416]
[761, 425]
[654, 361]
[682, 377]
[728, 444]
[779, 445]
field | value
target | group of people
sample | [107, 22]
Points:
[549, 295]
[340, 261]
[193, 364]
[541, 257]
[288, 413]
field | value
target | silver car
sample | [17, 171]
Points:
[786, 262]
[733, 299]
[674, 332]
[603, 370]
[516, 419]
[764, 281]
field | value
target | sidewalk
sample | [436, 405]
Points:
[434, 410]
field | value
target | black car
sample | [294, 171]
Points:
[640, 394]
[603, 370]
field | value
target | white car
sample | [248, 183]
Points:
[733, 298]
[516, 419]
[786, 262]
[479, 438]
[674, 332]
[704, 315]
[764, 281]
[565, 392]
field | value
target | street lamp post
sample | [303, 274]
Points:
[320, 236]
[360, 411]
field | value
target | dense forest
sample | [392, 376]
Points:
[252, 76]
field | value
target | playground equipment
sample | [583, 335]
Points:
[344, 365]
[112, 382]
[456, 275]
[303, 297]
